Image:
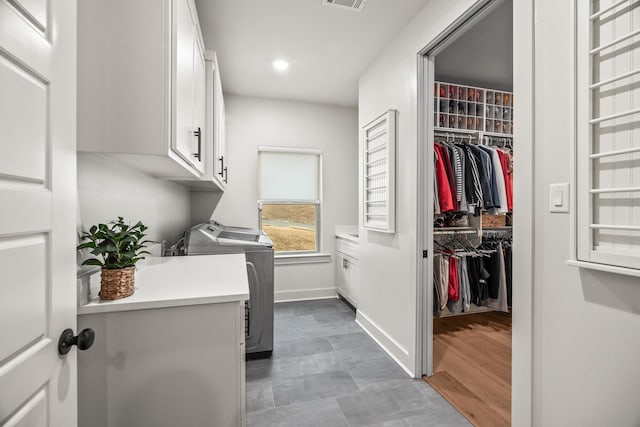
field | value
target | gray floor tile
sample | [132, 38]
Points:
[270, 369]
[427, 419]
[335, 317]
[326, 370]
[259, 396]
[321, 331]
[301, 308]
[392, 403]
[319, 413]
[351, 356]
[295, 323]
[302, 347]
[311, 387]
[378, 373]
[310, 364]
[354, 340]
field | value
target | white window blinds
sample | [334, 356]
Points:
[608, 132]
[288, 175]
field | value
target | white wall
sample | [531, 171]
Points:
[108, 189]
[388, 262]
[586, 324]
[257, 121]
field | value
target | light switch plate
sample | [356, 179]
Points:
[559, 198]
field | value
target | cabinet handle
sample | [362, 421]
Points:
[226, 175]
[198, 133]
[345, 263]
[221, 160]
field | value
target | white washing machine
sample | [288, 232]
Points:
[215, 238]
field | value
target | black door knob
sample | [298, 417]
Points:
[83, 340]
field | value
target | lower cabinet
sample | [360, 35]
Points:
[347, 271]
[175, 366]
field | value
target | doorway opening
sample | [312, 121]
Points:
[467, 113]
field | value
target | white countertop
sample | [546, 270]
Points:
[178, 281]
[352, 237]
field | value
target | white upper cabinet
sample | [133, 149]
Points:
[216, 124]
[141, 86]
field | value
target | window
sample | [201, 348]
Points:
[608, 133]
[289, 188]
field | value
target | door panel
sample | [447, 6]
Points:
[34, 10]
[37, 219]
[31, 205]
[27, 373]
[22, 303]
[20, 40]
[32, 414]
[23, 121]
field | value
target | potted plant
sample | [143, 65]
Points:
[119, 247]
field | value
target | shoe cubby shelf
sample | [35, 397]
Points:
[473, 108]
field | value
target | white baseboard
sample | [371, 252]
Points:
[305, 294]
[388, 344]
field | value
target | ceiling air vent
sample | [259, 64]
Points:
[356, 5]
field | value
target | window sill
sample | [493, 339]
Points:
[316, 258]
[604, 267]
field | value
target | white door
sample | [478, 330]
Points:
[37, 211]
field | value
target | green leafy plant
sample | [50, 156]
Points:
[119, 245]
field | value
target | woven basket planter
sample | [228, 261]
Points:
[116, 284]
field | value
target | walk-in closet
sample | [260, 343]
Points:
[472, 174]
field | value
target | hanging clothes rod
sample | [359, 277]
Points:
[453, 231]
[457, 132]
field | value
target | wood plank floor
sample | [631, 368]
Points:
[472, 366]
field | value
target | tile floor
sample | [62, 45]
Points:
[325, 371]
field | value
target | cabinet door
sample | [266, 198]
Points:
[354, 281]
[341, 274]
[347, 277]
[221, 168]
[184, 140]
[199, 70]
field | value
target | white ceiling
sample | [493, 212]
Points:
[328, 47]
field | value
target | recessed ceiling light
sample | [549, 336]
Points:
[280, 65]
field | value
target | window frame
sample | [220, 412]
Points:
[317, 203]
[585, 226]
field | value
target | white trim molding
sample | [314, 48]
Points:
[384, 340]
[305, 294]
[307, 258]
